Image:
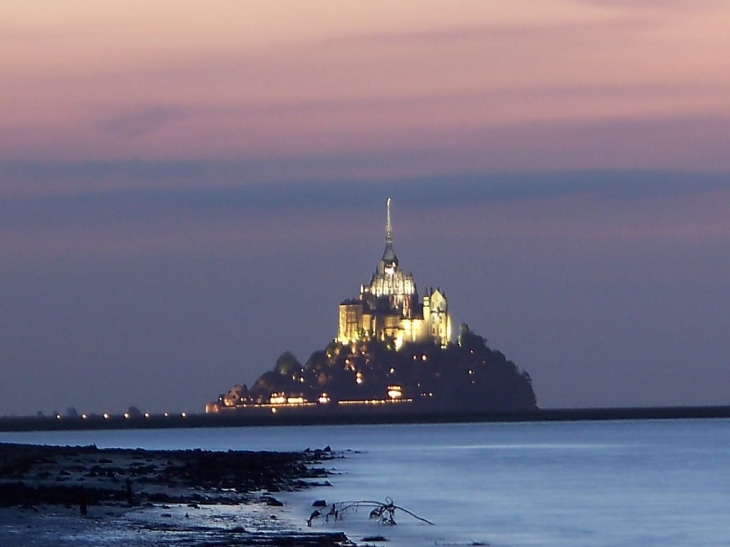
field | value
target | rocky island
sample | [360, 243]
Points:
[394, 353]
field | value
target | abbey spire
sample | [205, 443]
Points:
[389, 261]
[388, 225]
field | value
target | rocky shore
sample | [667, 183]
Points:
[88, 496]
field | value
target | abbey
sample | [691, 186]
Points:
[389, 306]
[392, 356]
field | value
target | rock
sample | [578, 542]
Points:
[272, 501]
[198, 475]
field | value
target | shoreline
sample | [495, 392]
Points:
[375, 416]
[75, 495]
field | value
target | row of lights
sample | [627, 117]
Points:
[395, 392]
[126, 415]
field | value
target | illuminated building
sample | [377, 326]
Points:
[389, 308]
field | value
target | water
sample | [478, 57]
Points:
[648, 483]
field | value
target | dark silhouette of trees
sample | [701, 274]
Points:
[287, 364]
[464, 376]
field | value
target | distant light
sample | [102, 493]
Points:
[106, 415]
[58, 416]
[277, 399]
[395, 392]
[184, 414]
[126, 415]
[166, 414]
[324, 399]
[146, 414]
[84, 416]
[273, 411]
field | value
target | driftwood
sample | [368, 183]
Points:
[383, 512]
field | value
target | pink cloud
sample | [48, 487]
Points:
[565, 89]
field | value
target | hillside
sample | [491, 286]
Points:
[463, 376]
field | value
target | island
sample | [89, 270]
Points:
[393, 353]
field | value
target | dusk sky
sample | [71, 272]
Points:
[188, 189]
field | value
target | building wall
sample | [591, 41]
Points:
[351, 323]
[438, 318]
[435, 326]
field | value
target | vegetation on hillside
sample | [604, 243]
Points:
[466, 375]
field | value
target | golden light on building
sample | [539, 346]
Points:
[277, 399]
[395, 392]
[389, 307]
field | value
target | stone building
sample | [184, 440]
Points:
[389, 306]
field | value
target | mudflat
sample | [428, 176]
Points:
[84, 495]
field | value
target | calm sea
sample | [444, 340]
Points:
[634, 483]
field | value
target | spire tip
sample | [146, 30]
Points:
[388, 226]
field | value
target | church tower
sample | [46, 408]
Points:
[389, 307]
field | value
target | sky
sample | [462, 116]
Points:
[189, 189]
